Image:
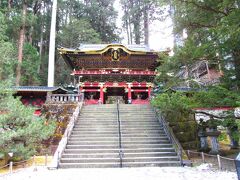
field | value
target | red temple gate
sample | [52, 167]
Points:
[113, 70]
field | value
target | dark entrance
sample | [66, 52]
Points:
[115, 93]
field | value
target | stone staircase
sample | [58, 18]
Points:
[94, 141]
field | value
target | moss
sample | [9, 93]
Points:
[185, 136]
[185, 128]
[61, 113]
[190, 145]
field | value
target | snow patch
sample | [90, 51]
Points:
[203, 171]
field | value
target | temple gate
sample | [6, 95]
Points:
[114, 71]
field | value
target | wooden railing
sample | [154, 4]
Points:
[65, 98]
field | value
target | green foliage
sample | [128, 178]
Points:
[7, 51]
[177, 107]
[21, 132]
[30, 65]
[223, 136]
[213, 28]
[217, 96]
[174, 102]
[76, 32]
[102, 17]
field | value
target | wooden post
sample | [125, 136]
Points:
[11, 167]
[203, 158]
[219, 162]
[34, 160]
[188, 152]
[46, 159]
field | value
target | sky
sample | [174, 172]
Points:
[160, 33]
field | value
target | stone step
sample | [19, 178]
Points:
[115, 133]
[123, 131]
[152, 164]
[90, 146]
[90, 165]
[116, 150]
[117, 159]
[124, 146]
[92, 155]
[83, 129]
[151, 159]
[116, 138]
[117, 164]
[100, 111]
[99, 127]
[94, 141]
[115, 130]
[95, 123]
[137, 115]
[131, 146]
[135, 122]
[76, 142]
[116, 155]
[90, 160]
[93, 135]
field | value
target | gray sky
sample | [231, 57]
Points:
[160, 33]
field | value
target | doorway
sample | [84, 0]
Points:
[115, 93]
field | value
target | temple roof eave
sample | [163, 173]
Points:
[142, 50]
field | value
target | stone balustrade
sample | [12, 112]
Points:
[65, 98]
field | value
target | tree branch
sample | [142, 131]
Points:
[204, 7]
[200, 25]
[215, 116]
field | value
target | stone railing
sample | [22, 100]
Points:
[62, 144]
[171, 136]
[65, 98]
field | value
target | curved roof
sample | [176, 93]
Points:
[37, 88]
[101, 48]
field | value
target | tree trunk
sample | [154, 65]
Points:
[136, 23]
[127, 22]
[236, 59]
[130, 32]
[20, 44]
[30, 37]
[136, 27]
[127, 29]
[146, 25]
[41, 41]
[70, 12]
[9, 4]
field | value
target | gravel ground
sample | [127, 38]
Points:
[203, 171]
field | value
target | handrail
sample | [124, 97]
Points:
[172, 138]
[63, 143]
[119, 135]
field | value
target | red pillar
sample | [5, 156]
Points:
[80, 89]
[149, 92]
[129, 95]
[101, 95]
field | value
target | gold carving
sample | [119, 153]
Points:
[115, 55]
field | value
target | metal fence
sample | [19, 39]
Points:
[16, 166]
[217, 161]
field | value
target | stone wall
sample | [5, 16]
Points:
[61, 113]
[184, 127]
